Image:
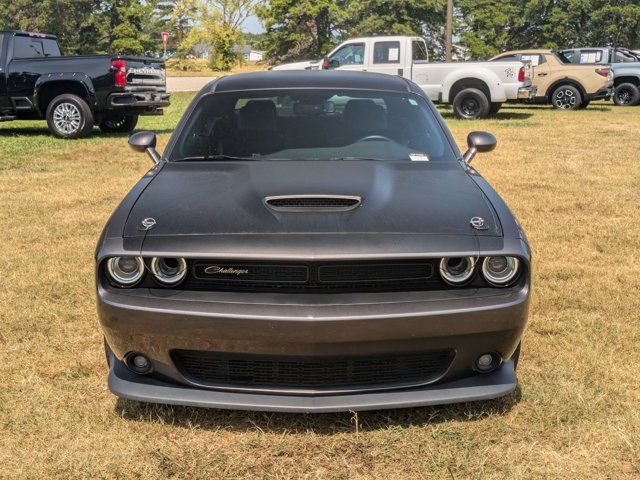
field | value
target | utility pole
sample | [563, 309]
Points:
[449, 33]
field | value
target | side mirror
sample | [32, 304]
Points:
[145, 142]
[479, 142]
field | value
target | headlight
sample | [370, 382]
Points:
[500, 271]
[169, 271]
[125, 271]
[457, 270]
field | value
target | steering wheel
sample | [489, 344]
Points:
[371, 138]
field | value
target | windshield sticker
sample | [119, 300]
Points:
[394, 54]
[418, 157]
[413, 102]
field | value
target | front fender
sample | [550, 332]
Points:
[79, 78]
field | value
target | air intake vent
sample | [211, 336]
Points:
[313, 203]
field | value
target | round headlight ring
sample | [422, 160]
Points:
[169, 270]
[125, 271]
[462, 274]
[504, 277]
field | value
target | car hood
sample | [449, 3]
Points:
[210, 198]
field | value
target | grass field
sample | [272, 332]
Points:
[573, 180]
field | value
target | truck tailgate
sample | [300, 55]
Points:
[145, 73]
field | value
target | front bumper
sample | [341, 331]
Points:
[527, 93]
[156, 323]
[125, 384]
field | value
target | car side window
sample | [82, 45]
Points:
[28, 47]
[351, 54]
[386, 52]
[590, 56]
[419, 51]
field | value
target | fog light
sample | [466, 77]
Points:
[138, 363]
[487, 362]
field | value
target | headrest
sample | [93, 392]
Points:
[364, 114]
[258, 115]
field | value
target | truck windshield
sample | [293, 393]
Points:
[312, 124]
[34, 47]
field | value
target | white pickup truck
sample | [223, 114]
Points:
[474, 89]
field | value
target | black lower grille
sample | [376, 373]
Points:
[363, 372]
[313, 277]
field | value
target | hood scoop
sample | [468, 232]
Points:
[313, 203]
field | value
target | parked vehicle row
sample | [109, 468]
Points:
[626, 69]
[563, 85]
[567, 79]
[75, 92]
[474, 89]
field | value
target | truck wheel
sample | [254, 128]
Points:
[124, 124]
[566, 97]
[69, 116]
[470, 104]
[495, 108]
[626, 95]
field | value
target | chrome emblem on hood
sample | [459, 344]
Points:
[148, 223]
[218, 270]
[478, 223]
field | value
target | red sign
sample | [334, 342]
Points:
[165, 37]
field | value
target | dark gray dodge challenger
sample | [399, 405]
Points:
[312, 242]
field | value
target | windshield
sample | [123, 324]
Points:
[312, 124]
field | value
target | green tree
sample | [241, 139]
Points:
[300, 28]
[69, 20]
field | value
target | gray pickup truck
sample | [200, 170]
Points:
[626, 69]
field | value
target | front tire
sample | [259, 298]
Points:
[470, 104]
[626, 95]
[69, 116]
[124, 124]
[566, 97]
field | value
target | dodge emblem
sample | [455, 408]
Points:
[148, 223]
[478, 223]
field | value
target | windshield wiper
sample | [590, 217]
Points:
[206, 158]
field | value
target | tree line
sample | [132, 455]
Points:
[310, 28]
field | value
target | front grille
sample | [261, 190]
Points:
[313, 277]
[313, 203]
[286, 372]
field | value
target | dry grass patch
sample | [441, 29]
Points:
[572, 178]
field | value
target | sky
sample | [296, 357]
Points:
[252, 25]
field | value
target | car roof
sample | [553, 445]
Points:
[309, 79]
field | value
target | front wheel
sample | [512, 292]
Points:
[566, 97]
[69, 116]
[470, 104]
[626, 95]
[124, 124]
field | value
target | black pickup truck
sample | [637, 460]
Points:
[73, 93]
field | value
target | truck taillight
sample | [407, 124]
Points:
[121, 72]
[521, 74]
[325, 63]
[602, 71]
